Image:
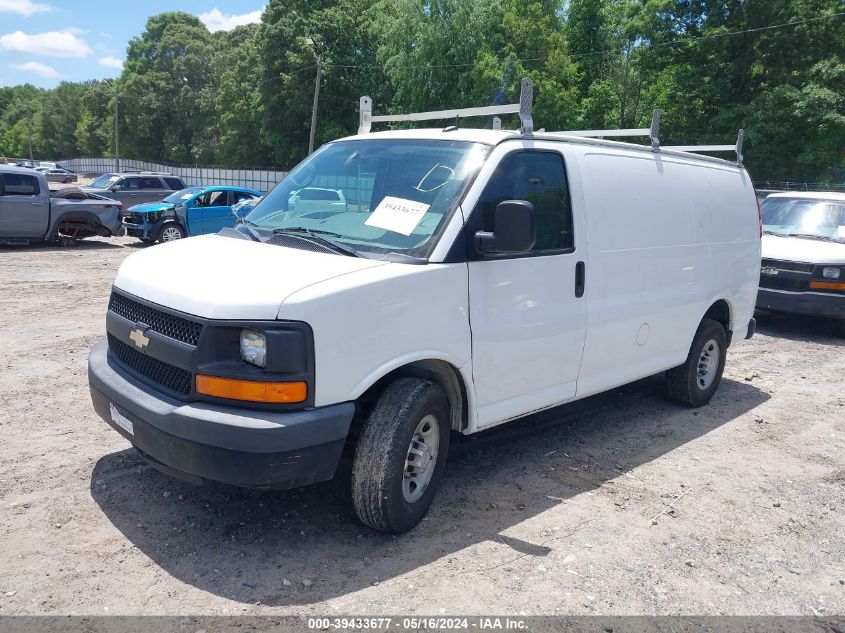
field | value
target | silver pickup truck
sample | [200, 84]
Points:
[30, 213]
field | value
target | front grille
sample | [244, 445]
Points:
[164, 323]
[170, 377]
[784, 283]
[796, 267]
[135, 218]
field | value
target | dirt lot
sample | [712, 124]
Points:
[621, 504]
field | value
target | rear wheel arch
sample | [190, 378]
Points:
[78, 224]
[720, 311]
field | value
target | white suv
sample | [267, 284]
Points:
[482, 275]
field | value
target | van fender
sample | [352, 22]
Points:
[463, 369]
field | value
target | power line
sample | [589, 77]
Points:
[686, 40]
[691, 40]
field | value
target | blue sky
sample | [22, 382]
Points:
[43, 42]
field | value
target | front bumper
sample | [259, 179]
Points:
[201, 441]
[822, 304]
[142, 231]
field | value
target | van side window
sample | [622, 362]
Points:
[20, 185]
[540, 178]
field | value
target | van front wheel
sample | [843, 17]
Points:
[695, 382]
[400, 456]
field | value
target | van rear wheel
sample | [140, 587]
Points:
[400, 456]
[695, 382]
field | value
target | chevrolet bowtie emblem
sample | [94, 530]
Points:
[137, 336]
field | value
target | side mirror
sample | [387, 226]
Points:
[513, 229]
[114, 188]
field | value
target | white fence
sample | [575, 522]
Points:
[260, 179]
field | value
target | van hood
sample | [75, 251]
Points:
[799, 249]
[220, 277]
[151, 207]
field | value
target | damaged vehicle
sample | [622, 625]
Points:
[29, 212]
[191, 211]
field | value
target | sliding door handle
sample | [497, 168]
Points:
[579, 279]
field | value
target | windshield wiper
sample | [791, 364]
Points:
[810, 236]
[318, 236]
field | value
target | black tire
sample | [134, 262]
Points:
[684, 383]
[378, 469]
[838, 328]
[170, 226]
[71, 193]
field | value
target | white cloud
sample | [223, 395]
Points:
[51, 44]
[25, 8]
[38, 68]
[111, 62]
[215, 20]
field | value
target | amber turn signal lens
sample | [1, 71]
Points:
[827, 285]
[251, 390]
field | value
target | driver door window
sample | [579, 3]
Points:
[540, 178]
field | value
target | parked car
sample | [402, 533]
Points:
[191, 211]
[803, 266]
[131, 188]
[60, 175]
[28, 213]
[488, 274]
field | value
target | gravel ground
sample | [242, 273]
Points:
[624, 503]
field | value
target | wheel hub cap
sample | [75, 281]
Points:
[421, 458]
[170, 234]
[708, 364]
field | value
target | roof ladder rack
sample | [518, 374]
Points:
[714, 148]
[523, 108]
[652, 132]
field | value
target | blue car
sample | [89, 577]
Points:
[189, 212]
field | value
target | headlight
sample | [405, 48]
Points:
[254, 347]
[830, 272]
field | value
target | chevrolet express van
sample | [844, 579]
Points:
[803, 269]
[473, 277]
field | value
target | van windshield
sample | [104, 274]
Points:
[801, 217]
[376, 196]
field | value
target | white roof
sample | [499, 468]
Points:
[810, 195]
[494, 137]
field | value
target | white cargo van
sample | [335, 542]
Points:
[803, 269]
[474, 276]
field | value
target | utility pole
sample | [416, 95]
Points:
[29, 125]
[116, 135]
[310, 43]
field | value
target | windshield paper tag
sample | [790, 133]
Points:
[397, 215]
[840, 231]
